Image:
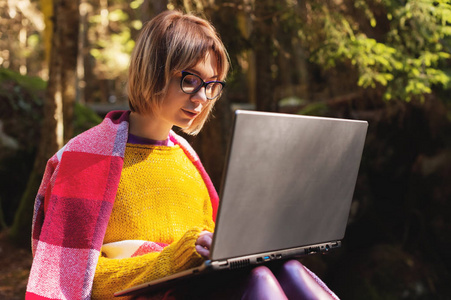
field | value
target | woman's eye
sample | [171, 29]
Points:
[192, 80]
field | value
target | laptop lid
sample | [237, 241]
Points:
[288, 182]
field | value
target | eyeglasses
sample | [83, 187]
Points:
[191, 84]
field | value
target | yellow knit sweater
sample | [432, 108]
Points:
[161, 198]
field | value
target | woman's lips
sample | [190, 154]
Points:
[191, 114]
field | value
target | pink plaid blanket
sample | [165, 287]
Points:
[73, 207]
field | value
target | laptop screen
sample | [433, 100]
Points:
[288, 182]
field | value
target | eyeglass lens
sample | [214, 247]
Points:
[192, 83]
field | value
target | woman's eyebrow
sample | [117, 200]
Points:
[198, 74]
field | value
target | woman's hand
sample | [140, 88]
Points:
[203, 243]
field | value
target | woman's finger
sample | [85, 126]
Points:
[203, 251]
[205, 239]
[203, 243]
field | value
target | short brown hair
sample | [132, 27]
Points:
[169, 43]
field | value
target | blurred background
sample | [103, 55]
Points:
[63, 66]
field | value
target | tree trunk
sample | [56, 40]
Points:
[151, 8]
[46, 7]
[263, 41]
[211, 143]
[70, 20]
[2, 218]
[60, 73]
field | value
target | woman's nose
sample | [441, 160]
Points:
[200, 95]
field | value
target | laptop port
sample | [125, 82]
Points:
[312, 250]
[223, 263]
[264, 258]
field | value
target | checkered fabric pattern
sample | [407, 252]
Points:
[73, 206]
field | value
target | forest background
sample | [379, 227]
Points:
[63, 65]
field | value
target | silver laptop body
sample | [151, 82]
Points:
[286, 192]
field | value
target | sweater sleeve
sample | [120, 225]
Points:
[113, 275]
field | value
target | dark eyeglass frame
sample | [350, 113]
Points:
[203, 84]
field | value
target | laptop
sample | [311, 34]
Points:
[286, 191]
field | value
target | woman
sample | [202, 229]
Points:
[128, 201]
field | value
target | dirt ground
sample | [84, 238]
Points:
[15, 265]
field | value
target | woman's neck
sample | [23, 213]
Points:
[148, 126]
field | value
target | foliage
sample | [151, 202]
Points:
[112, 32]
[20, 48]
[22, 93]
[31, 83]
[353, 51]
[21, 112]
[22, 100]
[85, 118]
[21, 108]
[411, 56]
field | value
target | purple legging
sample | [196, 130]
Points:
[288, 280]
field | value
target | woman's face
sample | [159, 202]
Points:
[181, 109]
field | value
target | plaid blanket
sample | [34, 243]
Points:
[73, 206]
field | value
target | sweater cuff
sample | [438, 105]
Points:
[185, 253]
